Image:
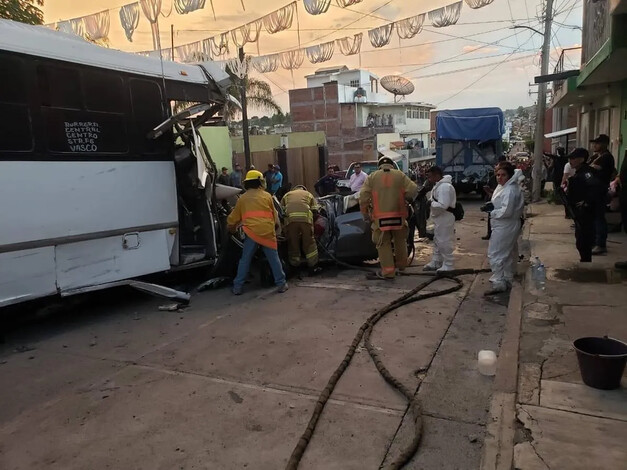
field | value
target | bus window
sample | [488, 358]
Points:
[15, 122]
[104, 92]
[148, 113]
[73, 106]
[59, 87]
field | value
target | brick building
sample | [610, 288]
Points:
[348, 107]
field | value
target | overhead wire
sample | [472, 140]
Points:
[474, 82]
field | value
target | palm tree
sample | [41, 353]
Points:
[258, 95]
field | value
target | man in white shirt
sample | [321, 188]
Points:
[357, 179]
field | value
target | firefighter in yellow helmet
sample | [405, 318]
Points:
[299, 206]
[383, 200]
[255, 213]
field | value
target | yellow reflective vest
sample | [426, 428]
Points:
[298, 205]
[255, 212]
[384, 197]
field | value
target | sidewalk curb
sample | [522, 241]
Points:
[498, 448]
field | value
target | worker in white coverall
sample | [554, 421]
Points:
[443, 200]
[506, 212]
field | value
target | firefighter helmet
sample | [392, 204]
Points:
[253, 175]
[386, 161]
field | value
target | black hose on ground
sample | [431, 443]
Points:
[365, 332]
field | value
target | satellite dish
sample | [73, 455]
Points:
[397, 85]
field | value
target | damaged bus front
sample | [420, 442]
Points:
[100, 185]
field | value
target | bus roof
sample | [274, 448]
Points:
[41, 41]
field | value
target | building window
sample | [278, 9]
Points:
[354, 83]
[408, 113]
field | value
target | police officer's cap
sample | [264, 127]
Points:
[579, 153]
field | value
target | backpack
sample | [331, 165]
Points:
[457, 211]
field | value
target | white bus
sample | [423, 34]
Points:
[90, 195]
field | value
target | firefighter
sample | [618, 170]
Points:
[256, 214]
[383, 201]
[299, 206]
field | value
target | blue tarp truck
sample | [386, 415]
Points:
[468, 143]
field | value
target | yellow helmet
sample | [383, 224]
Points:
[253, 175]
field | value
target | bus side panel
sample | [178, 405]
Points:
[103, 260]
[27, 274]
[53, 200]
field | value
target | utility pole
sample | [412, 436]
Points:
[172, 39]
[242, 84]
[541, 109]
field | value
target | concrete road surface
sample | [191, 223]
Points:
[230, 382]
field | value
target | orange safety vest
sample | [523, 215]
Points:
[385, 192]
[256, 213]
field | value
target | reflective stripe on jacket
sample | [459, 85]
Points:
[385, 195]
[298, 205]
[255, 212]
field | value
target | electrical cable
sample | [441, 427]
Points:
[482, 76]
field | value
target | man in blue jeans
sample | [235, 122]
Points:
[256, 214]
[603, 162]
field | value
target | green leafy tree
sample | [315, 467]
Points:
[24, 11]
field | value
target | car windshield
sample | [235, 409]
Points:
[365, 167]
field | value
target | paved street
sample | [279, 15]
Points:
[230, 382]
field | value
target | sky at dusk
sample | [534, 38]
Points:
[481, 48]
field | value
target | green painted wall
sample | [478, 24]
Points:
[218, 142]
[261, 143]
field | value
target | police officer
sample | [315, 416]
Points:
[585, 191]
[383, 201]
[299, 206]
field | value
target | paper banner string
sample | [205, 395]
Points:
[381, 36]
[320, 53]
[446, 16]
[350, 45]
[266, 63]
[129, 18]
[478, 3]
[247, 33]
[316, 7]
[279, 20]
[75, 26]
[237, 67]
[184, 7]
[347, 3]
[409, 27]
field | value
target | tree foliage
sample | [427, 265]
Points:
[24, 11]
[258, 95]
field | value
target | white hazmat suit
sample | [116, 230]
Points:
[509, 203]
[442, 197]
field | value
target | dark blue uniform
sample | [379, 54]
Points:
[585, 192]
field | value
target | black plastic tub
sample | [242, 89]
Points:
[601, 361]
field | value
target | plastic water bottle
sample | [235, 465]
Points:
[541, 277]
[535, 264]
